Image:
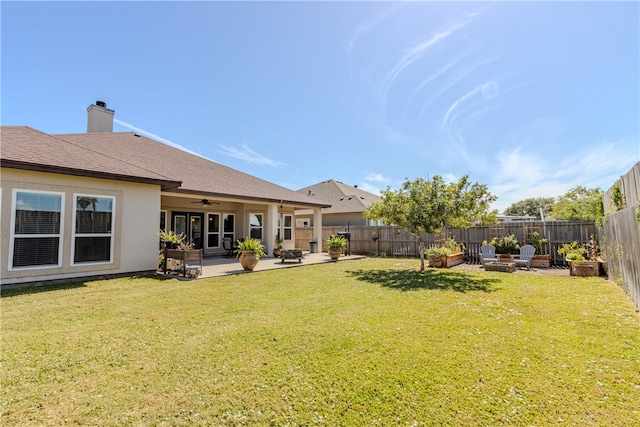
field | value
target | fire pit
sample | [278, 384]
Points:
[505, 267]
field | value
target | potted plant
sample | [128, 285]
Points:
[177, 252]
[277, 251]
[539, 260]
[455, 255]
[505, 246]
[575, 254]
[249, 252]
[436, 254]
[335, 245]
[170, 239]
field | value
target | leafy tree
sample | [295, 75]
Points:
[531, 207]
[580, 204]
[422, 206]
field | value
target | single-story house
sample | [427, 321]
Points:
[93, 204]
[347, 204]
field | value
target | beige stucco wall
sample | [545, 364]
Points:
[137, 209]
[336, 219]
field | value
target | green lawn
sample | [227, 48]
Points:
[368, 342]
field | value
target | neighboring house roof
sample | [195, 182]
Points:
[27, 148]
[199, 176]
[342, 198]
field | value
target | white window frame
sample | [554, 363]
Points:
[13, 235]
[284, 227]
[219, 232]
[261, 227]
[225, 233]
[111, 235]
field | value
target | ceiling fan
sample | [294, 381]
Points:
[206, 202]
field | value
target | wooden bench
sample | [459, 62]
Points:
[291, 254]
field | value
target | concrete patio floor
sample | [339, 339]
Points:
[217, 265]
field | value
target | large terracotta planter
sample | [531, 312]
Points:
[248, 260]
[335, 252]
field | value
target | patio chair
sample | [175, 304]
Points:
[488, 254]
[526, 255]
[227, 245]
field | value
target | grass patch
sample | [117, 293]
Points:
[349, 343]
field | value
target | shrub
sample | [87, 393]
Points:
[505, 245]
[573, 251]
[436, 252]
[453, 246]
[537, 242]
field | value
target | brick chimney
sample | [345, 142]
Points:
[99, 118]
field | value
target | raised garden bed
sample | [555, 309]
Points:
[504, 267]
[453, 259]
[584, 268]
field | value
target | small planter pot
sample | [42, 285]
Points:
[248, 260]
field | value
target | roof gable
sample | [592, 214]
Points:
[341, 197]
[27, 148]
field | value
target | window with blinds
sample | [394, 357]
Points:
[93, 229]
[37, 229]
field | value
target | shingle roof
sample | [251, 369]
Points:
[27, 148]
[197, 174]
[341, 197]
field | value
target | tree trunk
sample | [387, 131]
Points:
[421, 250]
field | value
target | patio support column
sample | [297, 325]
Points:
[317, 227]
[270, 228]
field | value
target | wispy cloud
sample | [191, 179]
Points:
[376, 177]
[485, 91]
[157, 137]
[375, 183]
[370, 25]
[522, 174]
[247, 154]
[412, 54]
[455, 80]
[608, 159]
[434, 76]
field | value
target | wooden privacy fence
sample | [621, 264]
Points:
[621, 245]
[395, 241]
[629, 186]
[621, 233]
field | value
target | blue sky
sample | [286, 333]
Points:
[529, 98]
